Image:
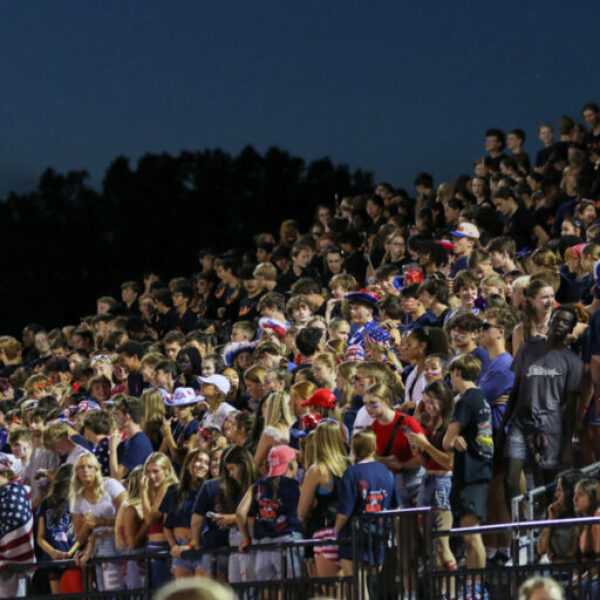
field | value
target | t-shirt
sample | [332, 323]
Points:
[365, 488]
[72, 457]
[177, 515]
[134, 451]
[217, 418]
[496, 377]
[400, 448]
[102, 453]
[594, 334]
[275, 507]
[182, 433]
[414, 385]
[58, 528]
[481, 354]
[41, 459]
[210, 498]
[460, 264]
[104, 508]
[544, 376]
[473, 414]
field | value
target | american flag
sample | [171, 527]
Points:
[16, 525]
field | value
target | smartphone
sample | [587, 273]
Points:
[212, 515]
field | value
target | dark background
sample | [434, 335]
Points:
[391, 88]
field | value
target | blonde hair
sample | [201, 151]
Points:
[152, 359]
[278, 411]
[161, 460]
[327, 358]
[154, 406]
[303, 389]
[347, 370]
[255, 373]
[364, 444]
[54, 432]
[36, 382]
[195, 588]
[98, 490]
[330, 451]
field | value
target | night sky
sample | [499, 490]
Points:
[393, 87]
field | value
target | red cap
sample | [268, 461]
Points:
[321, 397]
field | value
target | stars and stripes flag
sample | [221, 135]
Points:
[16, 525]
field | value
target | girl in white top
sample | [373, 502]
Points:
[278, 420]
[94, 505]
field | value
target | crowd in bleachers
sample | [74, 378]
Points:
[439, 350]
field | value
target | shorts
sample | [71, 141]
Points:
[534, 448]
[185, 563]
[328, 552]
[470, 499]
[592, 414]
[268, 562]
[408, 484]
[435, 491]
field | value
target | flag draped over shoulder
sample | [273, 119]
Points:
[16, 525]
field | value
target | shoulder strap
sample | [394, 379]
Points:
[390, 442]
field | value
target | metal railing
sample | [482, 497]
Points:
[393, 558]
[524, 504]
[502, 583]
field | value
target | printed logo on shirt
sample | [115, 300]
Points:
[268, 509]
[537, 371]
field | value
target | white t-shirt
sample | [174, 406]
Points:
[414, 386]
[105, 507]
[362, 420]
[216, 419]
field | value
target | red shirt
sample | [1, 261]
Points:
[400, 448]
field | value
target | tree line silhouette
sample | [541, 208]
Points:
[65, 243]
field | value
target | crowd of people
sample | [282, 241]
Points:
[441, 350]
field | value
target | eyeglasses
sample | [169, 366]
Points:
[486, 326]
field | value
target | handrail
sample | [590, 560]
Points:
[522, 525]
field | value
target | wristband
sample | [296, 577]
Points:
[190, 545]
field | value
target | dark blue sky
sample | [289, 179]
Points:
[394, 87]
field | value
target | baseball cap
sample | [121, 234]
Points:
[322, 397]
[279, 459]
[466, 230]
[219, 381]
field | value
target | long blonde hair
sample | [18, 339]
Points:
[278, 412]
[154, 406]
[77, 488]
[163, 461]
[330, 450]
[347, 370]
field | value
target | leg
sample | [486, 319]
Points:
[55, 586]
[325, 567]
[181, 573]
[512, 480]
[474, 543]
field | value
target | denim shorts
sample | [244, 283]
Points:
[268, 562]
[592, 414]
[185, 563]
[533, 447]
[435, 491]
[408, 484]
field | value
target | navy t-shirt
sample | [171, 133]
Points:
[134, 451]
[58, 529]
[210, 498]
[275, 507]
[177, 515]
[365, 488]
[496, 379]
[182, 433]
[102, 453]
